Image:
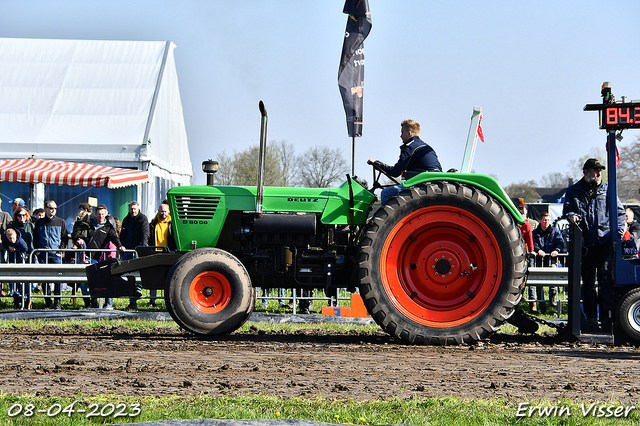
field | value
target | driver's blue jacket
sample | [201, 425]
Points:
[416, 157]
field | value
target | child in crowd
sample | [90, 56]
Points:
[15, 246]
[17, 251]
[37, 214]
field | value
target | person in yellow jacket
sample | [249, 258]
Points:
[161, 234]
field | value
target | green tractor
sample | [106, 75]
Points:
[441, 263]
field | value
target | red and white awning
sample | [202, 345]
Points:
[50, 172]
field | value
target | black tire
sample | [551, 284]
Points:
[629, 314]
[209, 292]
[442, 263]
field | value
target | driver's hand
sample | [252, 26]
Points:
[371, 161]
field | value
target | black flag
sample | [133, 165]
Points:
[351, 72]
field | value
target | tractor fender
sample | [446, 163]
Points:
[483, 182]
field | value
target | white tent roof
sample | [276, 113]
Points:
[92, 101]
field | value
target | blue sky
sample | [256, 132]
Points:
[531, 66]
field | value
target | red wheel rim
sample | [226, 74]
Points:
[210, 292]
[441, 266]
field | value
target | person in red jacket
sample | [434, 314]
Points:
[527, 234]
[527, 231]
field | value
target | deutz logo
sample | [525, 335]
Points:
[304, 200]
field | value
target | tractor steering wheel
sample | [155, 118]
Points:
[377, 171]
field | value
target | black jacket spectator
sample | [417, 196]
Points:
[135, 231]
[100, 237]
[81, 229]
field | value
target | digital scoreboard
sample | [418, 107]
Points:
[616, 115]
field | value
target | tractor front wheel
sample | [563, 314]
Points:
[442, 263]
[209, 292]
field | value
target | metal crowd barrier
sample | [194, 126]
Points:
[53, 273]
[549, 276]
[290, 294]
[74, 273]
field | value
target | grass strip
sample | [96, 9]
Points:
[150, 325]
[433, 411]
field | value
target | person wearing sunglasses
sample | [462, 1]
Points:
[50, 234]
[24, 226]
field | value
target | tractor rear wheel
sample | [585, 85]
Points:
[629, 314]
[441, 263]
[209, 292]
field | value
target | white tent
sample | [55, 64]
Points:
[111, 103]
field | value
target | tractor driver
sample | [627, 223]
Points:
[415, 157]
[587, 198]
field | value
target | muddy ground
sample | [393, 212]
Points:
[57, 361]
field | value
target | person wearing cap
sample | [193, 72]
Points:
[586, 200]
[18, 202]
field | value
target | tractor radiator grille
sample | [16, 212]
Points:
[191, 207]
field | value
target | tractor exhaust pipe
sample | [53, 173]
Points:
[262, 157]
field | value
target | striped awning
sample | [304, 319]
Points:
[50, 172]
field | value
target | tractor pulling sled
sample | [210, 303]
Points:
[441, 263]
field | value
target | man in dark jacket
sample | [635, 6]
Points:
[50, 233]
[135, 228]
[587, 199]
[102, 232]
[135, 233]
[547, 243]
[415, 157]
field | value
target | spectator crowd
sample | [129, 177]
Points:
[23, 231]
[547, 246]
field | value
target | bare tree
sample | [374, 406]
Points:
[287, 159]
[526, 190]
[246, 167]
[242, 167]
[555, 180]
[575, 166]
[321, 166]
[224, 175]
[629, 172]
